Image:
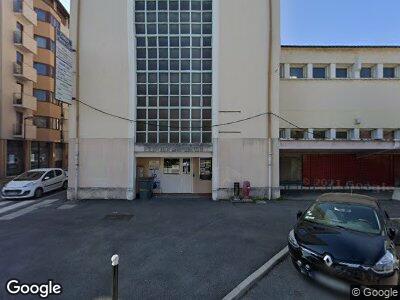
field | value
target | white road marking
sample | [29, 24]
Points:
[246, 284]
[2, 203]
[16, 205]
[67, 206]
[53, 195]
[27, 209]
[395, 219]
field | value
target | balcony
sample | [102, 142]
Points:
[25, 8]
[30, 131]
[25, 72]
[24, 101]
[24, 42]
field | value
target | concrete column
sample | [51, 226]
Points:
[27, 155]
[379, 71]
[332, 71]
[354, 134]
[309, 134]
[310, 71]
[377, 134]
[331, 134]
[3, 158]
[397, 72]
[287, 71]
[52, 155]
[397, 135]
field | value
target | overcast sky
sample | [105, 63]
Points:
[344, 22]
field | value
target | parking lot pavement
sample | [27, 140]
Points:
[169, 248]
[284, 282]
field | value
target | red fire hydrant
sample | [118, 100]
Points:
[246, 189]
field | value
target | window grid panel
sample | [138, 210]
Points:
[184, 36]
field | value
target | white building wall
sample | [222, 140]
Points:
[106, 144]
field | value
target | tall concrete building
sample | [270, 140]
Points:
[200, 94]
[179, 68]
[33, 125]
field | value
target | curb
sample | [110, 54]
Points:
[249, 282]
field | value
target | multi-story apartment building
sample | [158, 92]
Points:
[343, 103]
[33, 125]
[189, 92]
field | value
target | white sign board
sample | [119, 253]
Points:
[64, 64]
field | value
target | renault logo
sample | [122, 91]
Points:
[328, 260]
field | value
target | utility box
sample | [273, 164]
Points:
[146, 187]
[246, 189]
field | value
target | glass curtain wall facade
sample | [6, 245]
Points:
[174, 71]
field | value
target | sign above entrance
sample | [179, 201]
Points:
[173, 148]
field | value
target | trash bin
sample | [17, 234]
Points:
[146, 187]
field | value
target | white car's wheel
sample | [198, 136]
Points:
[38, 193]
[65, 185]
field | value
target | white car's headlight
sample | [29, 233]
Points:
[29, 184]
[386, 264]
[292, 239]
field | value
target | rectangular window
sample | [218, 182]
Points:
[20, 58]
[205, 168]
[42, 15]
[341, 73]
[297, 134]
[342, 135]
[43, 69]
[319, 134]
[296, 72]
[172, 166]
[389, 72]
[319, 73]
[45, 43]
[366, 72]
[174, 70]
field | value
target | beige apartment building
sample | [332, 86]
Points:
[33, 125]
[196, 94]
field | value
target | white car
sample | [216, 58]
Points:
[34, 183]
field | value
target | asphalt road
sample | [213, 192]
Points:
[170, 249]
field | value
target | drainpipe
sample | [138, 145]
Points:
[76, 185]
[269, 116]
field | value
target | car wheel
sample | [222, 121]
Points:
[38, 192]
[65, 185]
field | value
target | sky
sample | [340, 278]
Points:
[337, 22]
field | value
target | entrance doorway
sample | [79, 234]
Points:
[177, 177]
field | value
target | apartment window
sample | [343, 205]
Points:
[365, 134]
[47, 122]
[297, 134]
[20, 58]
[366, 72]
[341, 73]
[296, 72]
[341, 135]
[389, 72]
[43, 69]
[17, 5]
[174, 71]
[42, 15]
[319, 73]
[319, 134]
[41, 95]
[45, 43]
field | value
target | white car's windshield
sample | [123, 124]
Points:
[350, 216]
[29, 176]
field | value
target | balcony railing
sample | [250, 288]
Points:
[24, 101]
[17, 37]
[25, 72]
[24, 42]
